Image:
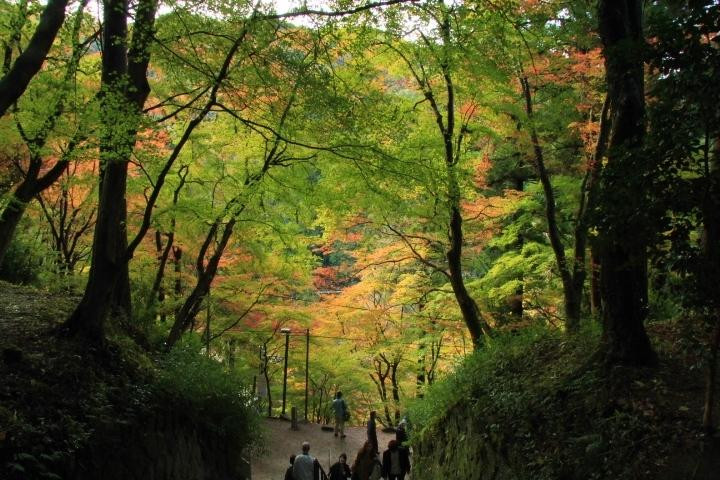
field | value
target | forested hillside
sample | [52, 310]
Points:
[492, 219]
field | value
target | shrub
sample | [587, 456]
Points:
[217, 398]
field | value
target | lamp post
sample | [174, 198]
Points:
[307, 369]
[286, 331]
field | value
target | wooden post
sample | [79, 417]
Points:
[293, 418]
[307, 369]
[286, 331]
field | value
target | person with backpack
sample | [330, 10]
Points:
[342, 414]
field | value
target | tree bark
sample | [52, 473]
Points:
[468, 307]
[452, 143]
[516, 301]
[622, 248]
[29, 62]
[711, 274]
[125, 90]
[395, 390]
[206, 274]
[108, 247]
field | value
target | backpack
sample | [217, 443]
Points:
[346, 412]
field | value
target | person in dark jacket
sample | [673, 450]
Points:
[364, 462]
[288, 472]
[372, 432]
[340, 470]
[396, 462]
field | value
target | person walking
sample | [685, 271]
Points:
[367, 465]
[340, 470]
[341, 414]
[396, 462]
[289, 471]
[372, 432]
[305, 466]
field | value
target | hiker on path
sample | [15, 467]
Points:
[340, 470]
[288, 472]
[341, 414]
[367, 464]
[401, 433]
[305, 467]
[372, 433]
[396, 462]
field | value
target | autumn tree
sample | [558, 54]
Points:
[41, 128]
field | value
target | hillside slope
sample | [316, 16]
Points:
[532, 406]
[68, 411]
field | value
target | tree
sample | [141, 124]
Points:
[684, 140]
[432, 65]
[40, 172]
[622, 226]
[16, 78]
[123, 94]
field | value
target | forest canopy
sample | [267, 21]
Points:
[383, 187]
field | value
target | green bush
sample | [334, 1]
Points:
[22, 263]
[217, 398]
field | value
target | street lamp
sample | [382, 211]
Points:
[286, 331]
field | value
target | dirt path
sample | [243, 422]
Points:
[283, 442]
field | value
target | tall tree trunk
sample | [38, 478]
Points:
[572, 281]
[108, 247]
[595, 294]
[623, 258]
[395, 391]
[516, 300]
[125, 90]
[468, 307]
[452, 143]
[29, 62]
[711, 273]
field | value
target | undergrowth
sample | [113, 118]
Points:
[58, 394]
[532, 405]
[211, 393]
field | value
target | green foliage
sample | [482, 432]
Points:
[532, 404]
[219, 399]
[25, 260]
[489, 364]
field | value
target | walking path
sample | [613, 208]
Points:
[282, 442]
